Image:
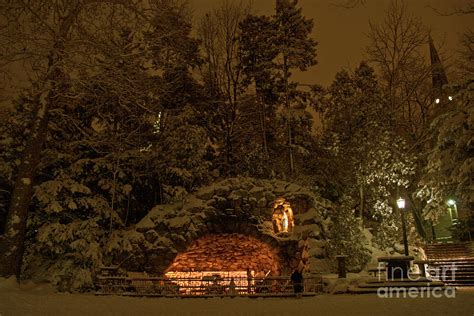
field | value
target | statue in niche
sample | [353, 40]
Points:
[282, 220]
[284, 223]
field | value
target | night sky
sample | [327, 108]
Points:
[341, 33]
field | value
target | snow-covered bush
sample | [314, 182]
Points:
[347, 238]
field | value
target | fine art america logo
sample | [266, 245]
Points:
[417, 286]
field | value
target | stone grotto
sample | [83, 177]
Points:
[232, 227]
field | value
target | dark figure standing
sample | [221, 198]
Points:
[297, 280]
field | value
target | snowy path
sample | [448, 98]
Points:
[14, 301]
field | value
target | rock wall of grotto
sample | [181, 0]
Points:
[236, 206]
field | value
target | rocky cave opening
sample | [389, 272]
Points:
[222, 257]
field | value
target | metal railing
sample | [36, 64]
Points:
[159, 286]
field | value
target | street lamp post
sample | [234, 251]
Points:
[401, 207]
[454, 215]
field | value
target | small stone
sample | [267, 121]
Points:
[151, 236]
[205, 193]
[262, 202]
[222, 190]
[270, 197]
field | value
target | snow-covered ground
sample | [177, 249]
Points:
[42, 300]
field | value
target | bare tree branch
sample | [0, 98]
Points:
[349, 4]
[457, 10]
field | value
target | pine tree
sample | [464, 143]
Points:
[296, 50]
[44, 99]
[110, 157]
[258, 51]
[449, 172]
[94, 83]
[361, 138]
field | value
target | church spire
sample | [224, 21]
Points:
[437, 70]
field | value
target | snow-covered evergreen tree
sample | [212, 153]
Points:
[111, 153]
[296, 50]
[450, 168]
[371, 157]
[57, 41]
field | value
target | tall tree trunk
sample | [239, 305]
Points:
[12, 243]
[420, 223]
[229, 154]
[287, 105]
[263, 128]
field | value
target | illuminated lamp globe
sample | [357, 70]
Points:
[451, 202]
[401, 203]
